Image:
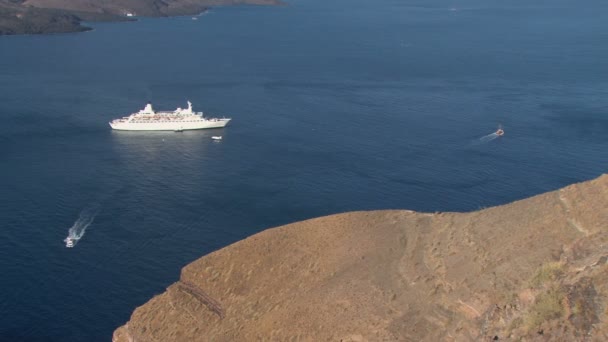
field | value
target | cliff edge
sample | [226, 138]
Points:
[535, 269]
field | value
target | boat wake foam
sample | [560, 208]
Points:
[77, 230]
[488, 138]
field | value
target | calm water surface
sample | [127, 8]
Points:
[336, 106]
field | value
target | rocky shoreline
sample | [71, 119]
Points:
[62, 16]
[535, 269]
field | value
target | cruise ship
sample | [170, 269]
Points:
[178, 120]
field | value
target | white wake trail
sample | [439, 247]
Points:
[77, 230]
[488, 138]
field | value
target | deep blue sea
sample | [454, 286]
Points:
[336, 105]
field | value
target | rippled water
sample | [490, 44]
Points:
[340, 106]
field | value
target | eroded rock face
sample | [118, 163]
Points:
[535, 268]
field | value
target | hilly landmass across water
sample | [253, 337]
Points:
[534, 269]
[58, 16]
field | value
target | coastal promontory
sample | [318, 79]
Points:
[535, 269]
[56, 16]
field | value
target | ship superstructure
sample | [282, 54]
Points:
[178, 120]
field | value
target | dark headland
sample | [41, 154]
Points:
[58, 16]
[535, 269]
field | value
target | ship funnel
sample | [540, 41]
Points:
[148, 108]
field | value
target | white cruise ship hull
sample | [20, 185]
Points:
[151, 125]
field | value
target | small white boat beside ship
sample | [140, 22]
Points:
[178, 120]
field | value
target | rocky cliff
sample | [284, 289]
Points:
[535, 269]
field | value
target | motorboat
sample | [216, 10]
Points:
[500, 132]
[216, 137]
[69, 242]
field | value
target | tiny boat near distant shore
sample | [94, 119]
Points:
[216, 137]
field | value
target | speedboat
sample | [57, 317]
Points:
[500, 132]
[217, 137]
[69, 242]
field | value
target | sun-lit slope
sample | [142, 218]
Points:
[534, 268]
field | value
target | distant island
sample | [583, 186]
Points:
[532, 270]
[59, 16]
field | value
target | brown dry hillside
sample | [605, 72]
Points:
[534, 269]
